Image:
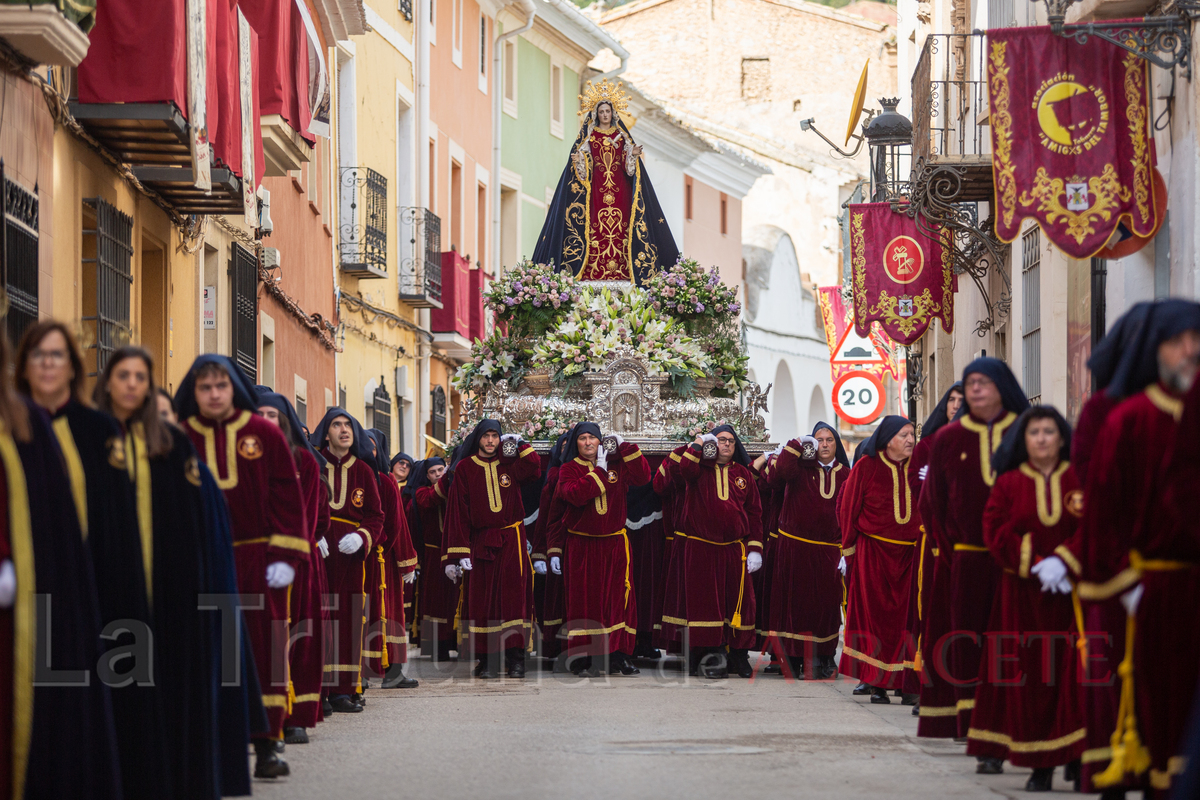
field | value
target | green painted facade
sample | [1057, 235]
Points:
[527, 147]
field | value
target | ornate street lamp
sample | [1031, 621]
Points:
[889, 137]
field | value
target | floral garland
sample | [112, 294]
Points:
[544, 426]
[699, 425]
[493, 359]
[601, 322]
[687, 292]
[529, 298]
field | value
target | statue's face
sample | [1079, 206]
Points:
[604, 114]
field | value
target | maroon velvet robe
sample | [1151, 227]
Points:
[1136, 529]
[601, 608]
[307, 653]
[806, 587]
[1026, 707]
[439, 597]
[880, 529]
[669, 486]
[484, 522]
[955, 494]
[723, 524]
[252, 463]
[394, 557]
[354, 507]
[550, 514]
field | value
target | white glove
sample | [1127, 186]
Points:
[510, 437]
[280, 574]
[620, 441]
[601, 458]
[539, 567]
[1131, 599]
[466, 564]
[453, 572]
[8, 584]
[1051, 572]
[350, 543]
[777, 450]
[923, 471]
[1064, 586]
[709, 437]
[753, 562]
[842, 566]
[556, 565]
[323, 547]
[528, 547]
[410, 577]
[808, 440]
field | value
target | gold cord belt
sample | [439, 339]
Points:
[782, 532]
[970, 548]
[892, 541]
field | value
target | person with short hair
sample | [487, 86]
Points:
[253, 464]
[953, 499]
[356, 521]
[486, 546]
[721, 547]
[601, 607]
[880, 528]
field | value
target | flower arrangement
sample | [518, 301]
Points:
[530, 298]
[492, 359]
[544, 426]
[699, 425]
[601, 322]
[687, 292]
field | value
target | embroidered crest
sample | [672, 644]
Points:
[116, 452]
[250, 448]
[612, 476]
[962, 457]
[1074, 503]
[505, 481]
[357, 498]
[739, 482]
[191, 471]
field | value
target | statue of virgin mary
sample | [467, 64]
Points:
[605, 223]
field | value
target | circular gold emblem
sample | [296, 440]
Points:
[505, 481]
[191, 471]
[740, 483]
[1072, 117]
[357, 498]
[1074, 503]
[612, 476]
[116, 452]
[609, 198]
[250, 448]
[903, 259]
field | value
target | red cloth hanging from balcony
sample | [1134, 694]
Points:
[225, 96]
[283, 61]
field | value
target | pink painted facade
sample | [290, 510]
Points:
[712, 229]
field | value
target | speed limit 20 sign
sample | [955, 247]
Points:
[858, 397]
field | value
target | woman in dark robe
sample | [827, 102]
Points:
[42, 553]
[49, 370]
[604, 223]
[401, 466]
[1025, 706]
[438, 600]
[166, 477]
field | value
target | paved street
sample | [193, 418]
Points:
[652, 735]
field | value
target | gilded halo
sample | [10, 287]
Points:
[604, 91]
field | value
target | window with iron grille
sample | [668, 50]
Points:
[363, 231]
[302, 410]
[19, 256]
[406, 10]
[243, 272]
[438, 413]
[382, 403]
[433, 255]
[342, 397]
[1031, 311]
[108, 274]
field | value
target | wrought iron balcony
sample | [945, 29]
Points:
[362, 240]
[420, 275]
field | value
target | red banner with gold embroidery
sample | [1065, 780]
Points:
[1071, 141]
[900, 276]
[836, 319]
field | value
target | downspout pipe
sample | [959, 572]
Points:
[530, 11]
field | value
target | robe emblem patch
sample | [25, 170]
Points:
[505, 481]
[191, 471]
[250, 448]
[1074, 503]
[612, 476]
[116, 452]
[357, 498]
[740, 483]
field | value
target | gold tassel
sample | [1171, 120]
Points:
[1082, 643]
[1128, 754]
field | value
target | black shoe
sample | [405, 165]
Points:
[774, 668]
[861, 689]
[830, 668]
[739, 664]
[1072, 771]
[396, 679]
[326, 707]
[989, 766]
[1041, 780]
[909, 699]
[359, 698]
[267, 763]
[1113, 793]
[917, 707]
[479, 668]
[487, 673]
[295, 735]
[796, 664]
[342, 704]
[718, 673]
[646, 651]
[880, 696]
[619, 664]
[517, 669]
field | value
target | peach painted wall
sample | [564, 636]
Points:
[702, 237]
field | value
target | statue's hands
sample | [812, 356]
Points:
[636, 151]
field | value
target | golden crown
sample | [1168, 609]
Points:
[602, 92]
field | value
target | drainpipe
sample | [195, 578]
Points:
[497, 107]
[422, 70]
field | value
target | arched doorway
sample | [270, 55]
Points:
[816, 408]
[783, 407]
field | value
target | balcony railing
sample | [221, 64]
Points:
[420, 276]
[363, 228]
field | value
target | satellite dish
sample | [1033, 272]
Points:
[856, 106]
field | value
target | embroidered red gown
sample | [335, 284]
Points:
[610, 198]
[307, 654]
[1026, 708]
[880, 530]
[252, 463]
[806, 587]
[601, 608]
[668, 485]
[438, 601]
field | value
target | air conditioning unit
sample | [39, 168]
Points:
[270, 257]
